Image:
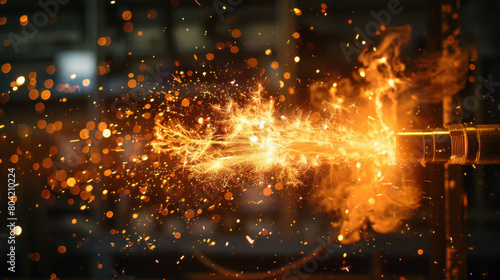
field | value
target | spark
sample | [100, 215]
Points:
[346, 268]
[250, 240]
[177, 78]
[253, 137]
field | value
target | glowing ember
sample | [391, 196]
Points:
[250, 240]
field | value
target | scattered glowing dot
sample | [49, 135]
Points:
[106, 133]
[101, 41]
[47, 162]
[45, 94]
[6, 68]
[236, 33]
[51, 69]
[48, 83]
[267, 191]
[109, 214]
[18, 230]
[127, 15]
[20, 80]
[24, 20]
[220, 46]
[35, 257]
[252, 62]
[128, 27]
[234, 49]
[152, 14]
[371, 201]
[14, 158]
[189, 214]
[132, 83]
[71, 181]
[61, 249]
[45, 194]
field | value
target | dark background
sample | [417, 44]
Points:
[70, 38]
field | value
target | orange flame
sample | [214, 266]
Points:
[364, 188]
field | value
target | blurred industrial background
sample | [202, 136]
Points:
[103, 41]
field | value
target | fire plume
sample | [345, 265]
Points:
[364, 187]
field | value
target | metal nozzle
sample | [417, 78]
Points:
[454, 144]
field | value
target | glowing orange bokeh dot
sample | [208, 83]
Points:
[45, 194]
[236, 33]
[51, 69]
[61, 249]
[47, 162]
[127, 15]
[132, 83]
[152, 14]
[34, 94]
[252, 62]
[6, 68]
[267, 191]
[235, 49]
[14, 158]
[101, 41]
[128, 27]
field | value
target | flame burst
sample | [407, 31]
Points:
[364, 188]
[255, 139]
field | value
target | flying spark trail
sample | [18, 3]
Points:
[257, 140]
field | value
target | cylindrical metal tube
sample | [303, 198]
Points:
[454, 144]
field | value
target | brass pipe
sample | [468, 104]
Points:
[453, 144]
